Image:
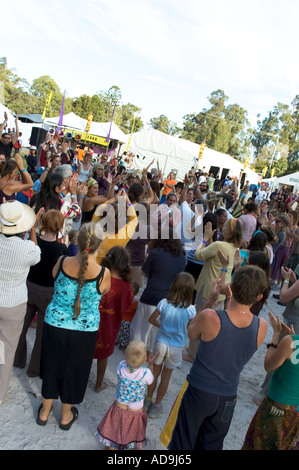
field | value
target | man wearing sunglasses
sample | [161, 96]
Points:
[6, 141]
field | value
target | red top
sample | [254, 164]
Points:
[113, 306]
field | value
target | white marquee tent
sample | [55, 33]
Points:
[100, 129]
[174, 153]
[286, 180]
[25, 128]
[11, 118]
[71, 121]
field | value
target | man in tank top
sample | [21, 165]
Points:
[228, 339]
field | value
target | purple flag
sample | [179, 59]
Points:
[60, 121]
[108, 136]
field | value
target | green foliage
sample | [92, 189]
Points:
[163, 124]
[279, 131]
[222, 128]
[24, 99]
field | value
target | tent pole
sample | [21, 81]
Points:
[165, 165]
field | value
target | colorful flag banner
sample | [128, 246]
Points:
[89, 119]
[131, 133]
[60, 121]
[47, 105]
[108, 136]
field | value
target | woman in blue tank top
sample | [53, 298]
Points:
[71, 325]
[228, 339]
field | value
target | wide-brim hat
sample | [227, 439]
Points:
[16, 217]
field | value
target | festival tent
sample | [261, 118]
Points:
[25, 128]
[179, 155]
[31, 118]
[76, 127]
[11, 117]
[70, 120]
[291, 180]
[101, 129]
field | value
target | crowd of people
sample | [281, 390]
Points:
[96, 253]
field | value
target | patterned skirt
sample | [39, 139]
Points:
[273, 427]
[123, 429]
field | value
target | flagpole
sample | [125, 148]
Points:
[60, 121]
[47, 105]
[109, 133]
[131, 133]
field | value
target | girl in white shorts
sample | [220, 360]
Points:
[171, 316]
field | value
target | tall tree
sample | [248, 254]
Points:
[15, 93]
[223, 128]
[41, 88]
[85, 105]
[163, 124]
[129, 118]
[279, 132]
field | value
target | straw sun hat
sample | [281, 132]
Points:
[16, 217]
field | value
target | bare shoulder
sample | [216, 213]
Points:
[263, 326]
[105, 281]
[206, 325]
[56, 266]
[211, 317]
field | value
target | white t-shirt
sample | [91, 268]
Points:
[260, 195]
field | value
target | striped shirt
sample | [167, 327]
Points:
[16, 258]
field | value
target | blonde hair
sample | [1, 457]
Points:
[235, 228]
[135, 354]
[88, 243]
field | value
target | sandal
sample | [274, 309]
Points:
[39, 421]
[68, 426]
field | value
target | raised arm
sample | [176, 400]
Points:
[16, 136]
[4, 123]
[278, 351]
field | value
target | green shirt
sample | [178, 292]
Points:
[284, 385]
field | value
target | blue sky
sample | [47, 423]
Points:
[167, 56]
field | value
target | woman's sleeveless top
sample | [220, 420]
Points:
[60, 312]
[84, 174]
[7, 197]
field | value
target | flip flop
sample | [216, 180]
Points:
[39, 421]
[68, 426]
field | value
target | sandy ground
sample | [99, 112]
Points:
[19, 430]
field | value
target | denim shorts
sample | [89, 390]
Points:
[169, 355]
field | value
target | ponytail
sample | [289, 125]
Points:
[88, 243]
